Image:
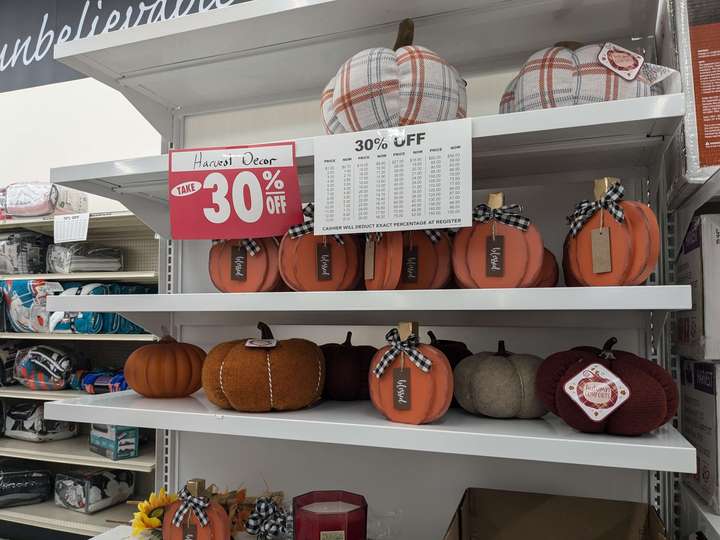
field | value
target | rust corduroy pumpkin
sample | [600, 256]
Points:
[167, 369]
[264, 375]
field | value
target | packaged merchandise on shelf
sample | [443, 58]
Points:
[700, 412]
[98, 381]
[42, 367]
[25, 303]
[498, 515]
[35, 199]
[576, 74]
[23, 252]
[8, 353]
[83, 257]
[23, 482]
[25, 420]
[115, 442]
[698, 264]
[91, 490]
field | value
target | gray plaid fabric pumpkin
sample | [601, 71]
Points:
[558, 76]
[382, 88]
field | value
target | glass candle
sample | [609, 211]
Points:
[330, 515]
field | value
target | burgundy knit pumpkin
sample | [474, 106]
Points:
[653, 397]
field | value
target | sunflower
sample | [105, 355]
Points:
[150, 512]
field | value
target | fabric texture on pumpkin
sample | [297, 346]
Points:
[558, 77]
[381, 88]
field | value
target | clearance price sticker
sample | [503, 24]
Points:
[233, 192]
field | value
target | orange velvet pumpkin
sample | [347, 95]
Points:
[218, 527]
[522, 251]
[301, 267]
[430, 393]
[634, 242]
[260, 272]
[166, 369]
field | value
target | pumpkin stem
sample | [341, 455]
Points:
[348, 338]
[501, 349]
[433, 339]
[405, 35]
[265, 332]
[609, 344]
[167, 339]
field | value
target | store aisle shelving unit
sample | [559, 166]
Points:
[77, 337]
[49, 516]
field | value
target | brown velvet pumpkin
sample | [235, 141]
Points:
[634, 242]
[430, 393]
[347, 366]
[286, 376]
[166, 369]
[260, 272]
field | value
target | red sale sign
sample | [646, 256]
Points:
[233, 192]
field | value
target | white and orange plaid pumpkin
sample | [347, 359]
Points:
[383, 88]
[559, 76]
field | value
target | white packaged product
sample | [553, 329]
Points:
[83, 257]
[33, 199]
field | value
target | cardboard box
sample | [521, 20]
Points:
[486, 514]
[115, 442]
[698, 330]
[699, 413]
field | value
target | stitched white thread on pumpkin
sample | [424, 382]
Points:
[267, 358]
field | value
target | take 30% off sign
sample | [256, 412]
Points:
[233, 192]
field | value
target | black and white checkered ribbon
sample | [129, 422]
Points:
[398, 347]
[584, 210]
[306, 227]
[509, 215]
[267, 521]
[251, 246]
[433, 234]
[198, 505]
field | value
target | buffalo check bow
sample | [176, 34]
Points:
[584, 210]
[251, 246]
[397, 347]
[433, 234]
[509, 215]
[296, 231]
[198, 506]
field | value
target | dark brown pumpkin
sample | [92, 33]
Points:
[347, 367]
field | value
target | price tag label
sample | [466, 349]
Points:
[71, 227]
[233, 192]
[413, 177]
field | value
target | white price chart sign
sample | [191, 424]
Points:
[71, 227]
[413, 177]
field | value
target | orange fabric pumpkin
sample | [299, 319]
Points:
[166, 369]
[218, 527]
[634, 242]
[430, 392]
[261, 272]
[300, 265]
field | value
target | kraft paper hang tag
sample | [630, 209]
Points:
[410, 265]
[597, 391]
[189, 532]
[401, 389]
[370, 259]
[332, 535]
[624, 62]
[261, 343]
[324, 263]
[600, 247]
[238, 263]
[495, 256]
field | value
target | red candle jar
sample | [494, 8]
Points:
[330, 515]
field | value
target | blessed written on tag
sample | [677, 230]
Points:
[189, 531]
[600, 247]
[324, 263]
[495, 256]
[401, 389]
[238, 263]
[410, 265]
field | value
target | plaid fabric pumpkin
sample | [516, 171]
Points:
[556, 77]
[382, 88]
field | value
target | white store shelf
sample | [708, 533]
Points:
[20, 336]
[697, 516]
[129, 277]
[196, 63]
[22, 392]
[100, 224]
[75, 451]
[358, 423]
[122, 532]
[511, 149]
[49, 516]
[608, 307]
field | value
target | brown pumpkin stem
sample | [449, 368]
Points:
[405, 35]
[265, 332]
[609, 344]
[501, 349]
[433, 339]
[572, 45]
[167, 339]
[348, 338]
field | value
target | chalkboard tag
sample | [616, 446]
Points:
[238, 263]
[495, 256]
[370, 259]
[401, 389]
[601, 259]
[324, 263]
[190, 532]
[410, 265]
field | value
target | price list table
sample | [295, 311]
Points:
[416, 177]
